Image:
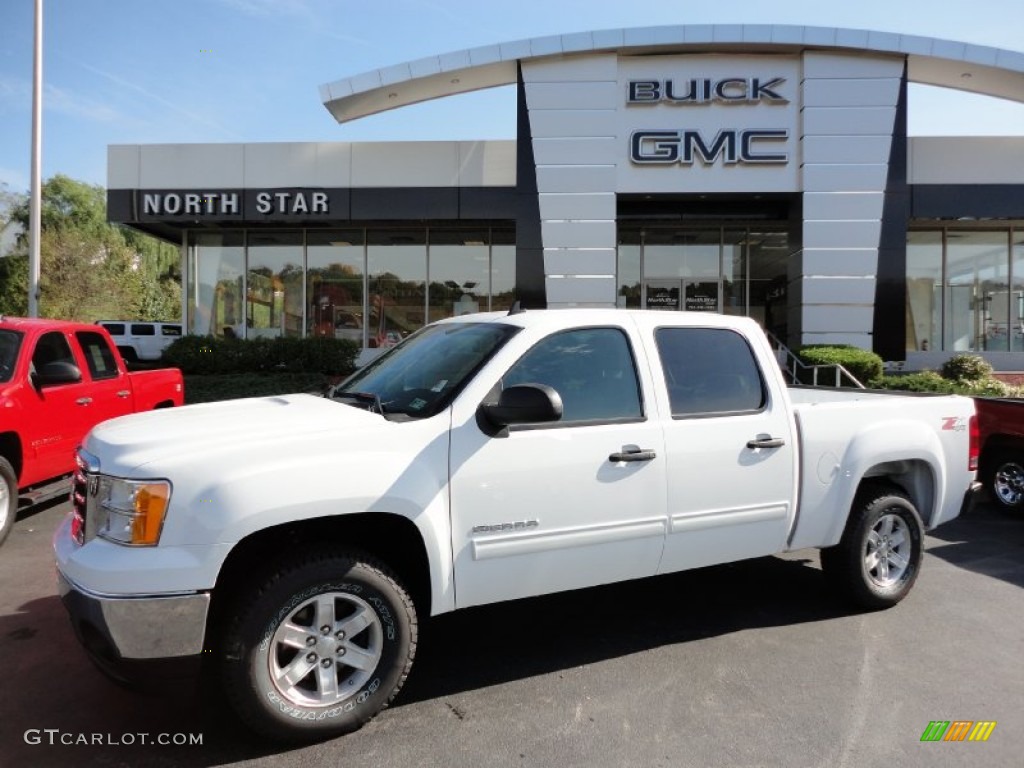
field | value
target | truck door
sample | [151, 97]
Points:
[63, 410]
[111, 391]
[555, 506]
[730, 448]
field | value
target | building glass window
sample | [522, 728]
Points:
[397, 282]
[924, 291]
[274, 284]
[215, 277]
[1017, 293]
[977, 291]
[503, 269]
[628, 269]
[459, 272]
[335, 290]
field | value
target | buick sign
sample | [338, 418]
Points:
[728, 90]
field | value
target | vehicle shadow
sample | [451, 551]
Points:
[987, 540]
[459, 652]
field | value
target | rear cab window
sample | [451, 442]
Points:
[98, 355]
[709, 371]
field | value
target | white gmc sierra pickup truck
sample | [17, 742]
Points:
[294, 542]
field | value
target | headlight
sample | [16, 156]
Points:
[134, 511]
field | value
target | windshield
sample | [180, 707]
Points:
[420, 376]
[10, 341]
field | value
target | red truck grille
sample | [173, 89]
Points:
[79, 497]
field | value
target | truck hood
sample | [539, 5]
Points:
[233, 429]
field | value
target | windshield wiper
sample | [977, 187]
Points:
[371, 400]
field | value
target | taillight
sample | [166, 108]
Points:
[974, 444]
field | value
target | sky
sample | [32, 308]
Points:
[184, 71]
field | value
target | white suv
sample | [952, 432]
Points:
[138, 340]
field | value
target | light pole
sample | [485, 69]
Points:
[36, 193]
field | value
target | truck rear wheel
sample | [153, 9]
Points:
[1005, 480]
[320, 647]
[876, 562]
[8, 498]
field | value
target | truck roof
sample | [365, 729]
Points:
[532, 318]
[35, 323]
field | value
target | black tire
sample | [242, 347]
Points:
[8, 498]
[260, 648]
[882, 519]
[1004, 479]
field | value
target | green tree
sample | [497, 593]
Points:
[90, 269]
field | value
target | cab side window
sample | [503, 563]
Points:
[592, 369]
[709, 371]
[101, 361]
[52, 347]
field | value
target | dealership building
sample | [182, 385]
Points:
[754, 170]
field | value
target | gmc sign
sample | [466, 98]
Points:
[667, 147]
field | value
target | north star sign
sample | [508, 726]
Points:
[272, 202]
[753, 146]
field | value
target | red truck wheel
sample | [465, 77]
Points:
[8, 498]
[1006, 480]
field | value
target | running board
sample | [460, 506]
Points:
[40, 493]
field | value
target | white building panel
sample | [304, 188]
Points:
[845, 149]
[579, 261]
[845, 65]
[842, 234]
[587, 206]
[577, 150]
[848, 121]
[569, 178]
[577, 69]
[191, 166]
[839, 205]
[123, 166]
[966, 160]
[838, 290]
[840, 261]
[874, 92]
[487, 163]
[575, 291]
[846, 178]
[578, 234]
[406, 164]
[280, 165]
[590, 95]
[550, 123]
[333, 164]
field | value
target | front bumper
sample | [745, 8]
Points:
[125, 635]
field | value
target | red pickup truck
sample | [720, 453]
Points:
[57, 381]
[1001, 465]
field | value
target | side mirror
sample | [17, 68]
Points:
[56, 373]
[524, 404]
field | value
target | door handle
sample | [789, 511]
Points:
[766, 442]
[631, 453]
[123, 393]
[83, 401]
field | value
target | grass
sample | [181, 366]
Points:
[228, 386]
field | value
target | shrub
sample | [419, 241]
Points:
[861, 363]
[210, 355]
[925, 381]
[966, 368]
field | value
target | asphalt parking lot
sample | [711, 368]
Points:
[753, 664]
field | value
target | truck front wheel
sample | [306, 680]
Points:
[320, 647]
[8, 498]
[876, 562]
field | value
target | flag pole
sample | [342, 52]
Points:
[36, 192]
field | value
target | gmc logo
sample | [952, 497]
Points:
[668, 147]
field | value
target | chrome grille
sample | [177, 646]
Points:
[84, 480]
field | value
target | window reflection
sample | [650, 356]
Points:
[334, 284]
[397, 279]
[217, 265]
[458, 272]
[274, 284]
